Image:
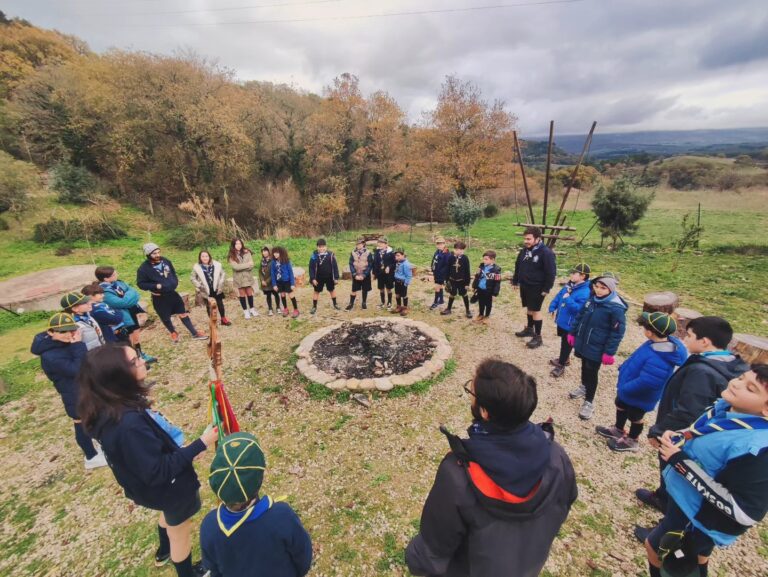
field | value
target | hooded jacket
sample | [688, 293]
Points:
[696, 385]
[568, 308]
[266, 540]
[60, 362]
[325, 270]
[492, 279]
[148, 277]
[599, 326]
[151, 468]
[643, 375]
[242, 270]
[498, 500]
[121, 297]
[265, 274]
[383, 259]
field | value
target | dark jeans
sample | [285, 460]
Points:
[219, 305]
[589, 370]
[485, 300]
[565, 348]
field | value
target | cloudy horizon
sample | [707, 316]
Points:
[632, 66]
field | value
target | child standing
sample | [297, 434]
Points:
[208, 277]
[241, 260]
[79, 306]
[459, 278]
[403, 277]
[487, 283]
[716, 474]
[384, 270]
[265, 279]
[125, 299]
[249, 533]
[360, 266]
[110, 321]
[596, 333]
[564, 308]
[642, 378]
[61, 352]
[440, 270]
[323, 272]
[283, 281]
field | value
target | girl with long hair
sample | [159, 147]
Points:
[241, 260]
[265, 279]
[208, 277]
[283, 281]
[144, 451]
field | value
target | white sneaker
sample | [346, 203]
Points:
[578, 392]
[95, 462]
[587, 409]
[270, 313]
[247, 314]
[254, 313]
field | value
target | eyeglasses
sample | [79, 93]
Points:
[467, 389]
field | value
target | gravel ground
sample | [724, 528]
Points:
[357, 477]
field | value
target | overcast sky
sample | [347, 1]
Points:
[629, 64]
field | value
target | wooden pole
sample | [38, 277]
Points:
[519, 153]
[549, 166]
[548, 227]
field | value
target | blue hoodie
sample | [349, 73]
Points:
[599, 327]
[643, 375]
[266, 539]
[568, 308]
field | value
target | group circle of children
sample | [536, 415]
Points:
[513, 479]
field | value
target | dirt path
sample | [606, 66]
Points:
[358, 477]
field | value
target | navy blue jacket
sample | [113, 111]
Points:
[440, 261]
[147, 277]
[151, 468]
[536, 267]
[492, 279]
[108, 319]
[271, 542]
[382, 260]
[60, 362]
[643, 375]
[599, 327]
[568, 308]
[328, 270]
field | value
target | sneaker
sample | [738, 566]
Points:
[295, 313]
[175, 338]
[651, 499]
[254, 313]
[200, 336]
[479, 318]
[349, 307]
[557, 372]
[587, 410]
[226, 322]
[578, 392]
[247, 314]
[610, 432]
[381, 306]
[285, 312]
[641, 533]
[389, 306]
[270, 313]
[445, 312]
[556, 362]
[313, 310]
[526, 332]
[98, 460]
[469, 314]
[148, 359]
[623, 444]
[364, 306]
[535, 342]
[162, 556]
[434, 306]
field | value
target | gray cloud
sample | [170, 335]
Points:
[635, 64]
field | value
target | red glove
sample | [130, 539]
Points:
[608, 359]
[571, 340]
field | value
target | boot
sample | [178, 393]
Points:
[557, 371]
[526, 332]
[535, 342]
[404, 311]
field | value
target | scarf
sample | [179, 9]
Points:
[716, 419]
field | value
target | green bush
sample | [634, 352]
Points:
[490, 210]
[91, 230]
[73, 184]
[618, 208]
[197, 235]
[17, 180]
[465, 211]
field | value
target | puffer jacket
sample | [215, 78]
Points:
[643, 375]
[121, 297]
[90, 331]
[599, 327]
[567, 308]
[242, 271]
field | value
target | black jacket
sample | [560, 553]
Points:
[151, 468]
[536, 267]
[492, 279]
[461, 275]
[323, 269]
[471, 524]
[383, 259]
[696, 385]
[147, 277]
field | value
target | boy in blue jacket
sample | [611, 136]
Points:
[440, 270]
[403, 277]
[716, 476]
[564, 307]
[110, 320]
[249, 535]
[595, 335]
[642, 377]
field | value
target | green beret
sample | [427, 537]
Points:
[237, 469]
[662, 323]
[72, 299]
[62, 323]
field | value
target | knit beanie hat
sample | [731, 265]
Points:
[237, 469]
[62, 323]
[608, 279]
[149, 248]
[72, 299]
[662, 323]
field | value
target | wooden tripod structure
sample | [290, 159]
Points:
[219, 408]
[558, 226]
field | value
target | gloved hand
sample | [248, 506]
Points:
[571, 340]
[608, 359]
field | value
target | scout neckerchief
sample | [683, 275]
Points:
[716, 420]
[162, 269]
[529, 252]
[89, 320]
[279, 275]
[119, 291]
[321, 256]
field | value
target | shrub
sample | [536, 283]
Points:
[73, 184]
[490, 210]
[71, 230]
[465, 211]
[618, 208]
[197, 235]
[17, 180]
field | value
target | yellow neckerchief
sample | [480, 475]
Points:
[246, 514]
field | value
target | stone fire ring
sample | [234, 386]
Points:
[427, 370]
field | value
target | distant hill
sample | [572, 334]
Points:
[730, 142]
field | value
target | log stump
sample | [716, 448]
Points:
[300, 276]
[185, 299]
[752, 349]
[664, 302]
[683, 316]
[346, 275]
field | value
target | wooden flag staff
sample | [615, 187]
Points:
[219, 408]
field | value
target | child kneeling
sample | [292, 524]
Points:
[642, 377]
[248, 534]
